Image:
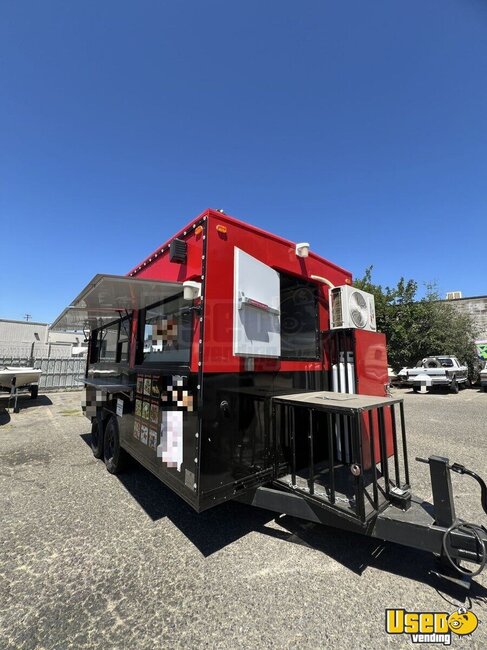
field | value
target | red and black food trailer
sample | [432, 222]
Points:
[234, 364]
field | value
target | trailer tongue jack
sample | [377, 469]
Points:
[451, 539]
[445, 515]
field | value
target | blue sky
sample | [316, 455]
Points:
[359, 126]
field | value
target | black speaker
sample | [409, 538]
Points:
[178, 251]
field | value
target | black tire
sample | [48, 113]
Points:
[34, 391]
[114, 456]
[97, 438]
[454, 386]
[415, 389]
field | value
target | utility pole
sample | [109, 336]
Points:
[27, 317]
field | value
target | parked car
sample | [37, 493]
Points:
[483, 378]
[436, 372]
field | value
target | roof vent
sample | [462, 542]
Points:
[178, 251]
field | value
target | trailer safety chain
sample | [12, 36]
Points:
[458, 525]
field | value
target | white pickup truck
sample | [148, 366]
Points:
[435, 372]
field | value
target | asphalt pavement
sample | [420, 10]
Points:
[89, 560]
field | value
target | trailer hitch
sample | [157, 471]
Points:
[461, 469]
[445, 510]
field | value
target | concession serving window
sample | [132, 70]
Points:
[107, 297]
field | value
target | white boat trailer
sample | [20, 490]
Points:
[12, 378]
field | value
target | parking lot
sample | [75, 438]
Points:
[89, 560]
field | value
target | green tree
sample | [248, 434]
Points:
[417, 328]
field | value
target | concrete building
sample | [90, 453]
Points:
[20, 338]
[476, 307]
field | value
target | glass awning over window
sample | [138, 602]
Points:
[106, 297]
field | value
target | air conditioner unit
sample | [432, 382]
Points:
[352, 308]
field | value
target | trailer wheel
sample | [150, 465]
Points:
[415, 389]
[115, 457]
[34, 391]
[97, 438]
[454, 386]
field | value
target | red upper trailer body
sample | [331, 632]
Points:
[210, 258]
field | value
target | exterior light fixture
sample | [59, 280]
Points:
[302, 249]
[191, 290]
